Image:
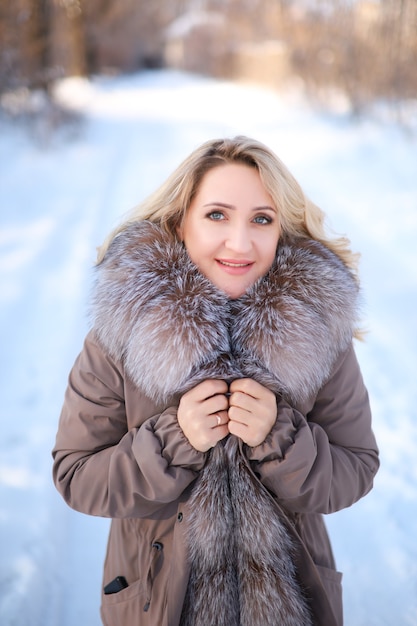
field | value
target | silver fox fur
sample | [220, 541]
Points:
[172, 328]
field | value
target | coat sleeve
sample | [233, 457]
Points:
[324, 461]
[102, 467]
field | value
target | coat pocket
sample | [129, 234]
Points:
[124, 607]
[332, 583]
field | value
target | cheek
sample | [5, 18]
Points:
[200, 239]
[269, 250]
[198, 246]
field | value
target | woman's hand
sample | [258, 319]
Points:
[202, 414]
[252, 411]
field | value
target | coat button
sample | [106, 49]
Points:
[180, 516]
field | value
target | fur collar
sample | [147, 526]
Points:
[173, 328]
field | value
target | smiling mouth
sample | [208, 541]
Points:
[231, 264]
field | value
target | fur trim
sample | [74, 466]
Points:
[294, 322]
[172, 328]
[244, 566]
[155, 311]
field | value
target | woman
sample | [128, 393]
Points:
[217, 409]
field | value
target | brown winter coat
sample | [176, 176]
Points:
[120, 452]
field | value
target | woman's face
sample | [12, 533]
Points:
[231, 228]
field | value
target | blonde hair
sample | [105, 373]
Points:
[299, 216]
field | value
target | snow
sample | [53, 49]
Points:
[59, 199]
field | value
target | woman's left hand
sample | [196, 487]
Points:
[252, 411]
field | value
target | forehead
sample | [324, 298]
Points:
[232, 179]
[222, 170]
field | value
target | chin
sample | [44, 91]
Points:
[233, 290]
[234, 294]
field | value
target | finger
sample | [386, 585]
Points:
[220, 418]
[208, 389]
[216, 404]
[241, 416]
[241, 400]
[247, 386]
[238, 429]
[213, 386]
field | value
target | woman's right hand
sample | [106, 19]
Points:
[202, 414]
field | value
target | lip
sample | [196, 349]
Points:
[235, 267]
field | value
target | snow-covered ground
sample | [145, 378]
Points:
[58, 201]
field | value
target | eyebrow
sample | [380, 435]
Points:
[224, 205]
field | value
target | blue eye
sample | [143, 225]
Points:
[215, 215]
[262, 219]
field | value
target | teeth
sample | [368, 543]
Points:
[234, 264]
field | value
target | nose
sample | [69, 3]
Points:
[238, 240]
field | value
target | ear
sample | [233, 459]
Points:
[179, 232]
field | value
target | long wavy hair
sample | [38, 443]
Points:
[298, 216]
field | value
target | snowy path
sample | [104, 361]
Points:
[56, 205]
